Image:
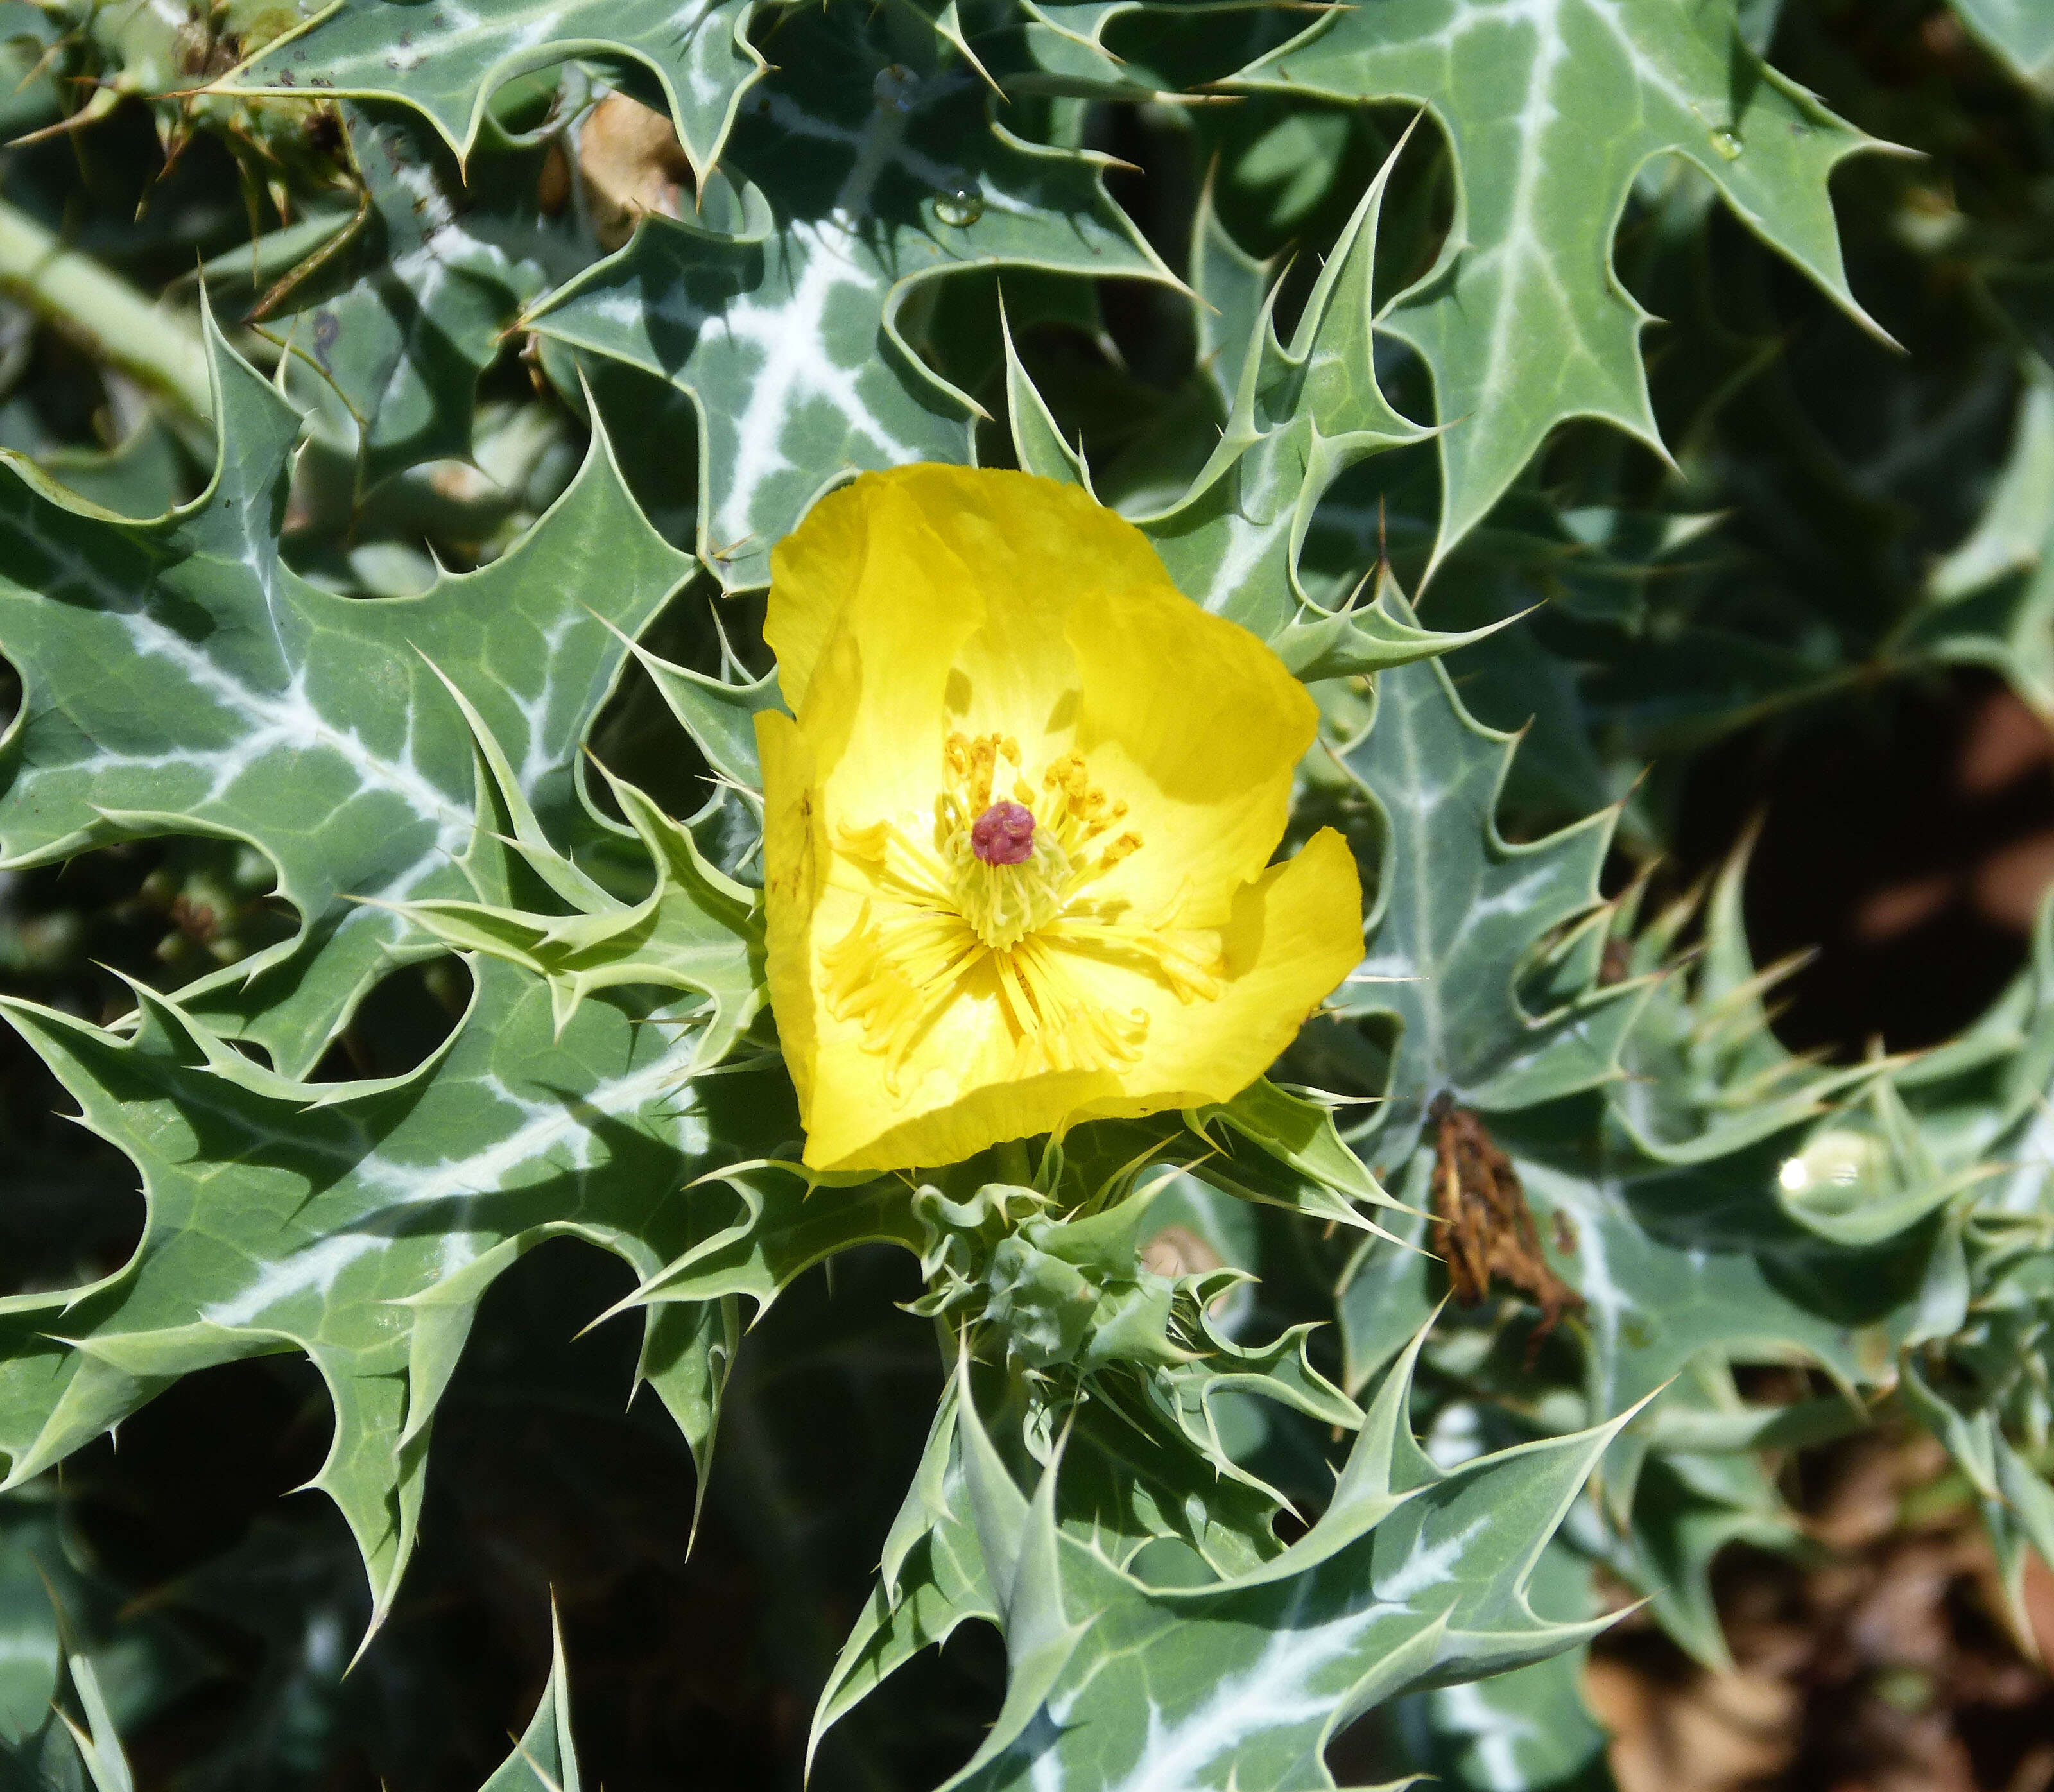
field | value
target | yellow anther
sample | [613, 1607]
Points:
[1126, 845]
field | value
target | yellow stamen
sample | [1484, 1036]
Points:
[934, 912]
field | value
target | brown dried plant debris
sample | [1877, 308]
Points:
[1879, 1662]
[631, 162]
[1482, 1226]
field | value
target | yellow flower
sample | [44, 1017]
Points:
[1015, 841]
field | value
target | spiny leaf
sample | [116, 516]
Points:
[758, 1225]
[405, 319]
[1551, 109]
[696, 931]
[718, 714]
[1991, 601]
[1986, 1391]
[361, 1224]
[864, 178]
[1058, 46]
[545, 1758]
[1302, 1162]
[447, 61]
[1706, 1076]
[1671, 1215]
[98, 1741]
[2021, 32]
[1408, 1578]
[931, 1579]
[1484, 954]
[1528, 1728]
[1686, 1508]
[179, 677]
[1673, 1259]
[1066, 1321]
[1300, 415]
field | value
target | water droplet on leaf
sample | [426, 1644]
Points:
[960, 204]
[1728, 145]
[895, 88]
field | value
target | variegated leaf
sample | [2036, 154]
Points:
[361, 1224]
[860, 179]
[1551, 109]
[179, 677]
[447, 60]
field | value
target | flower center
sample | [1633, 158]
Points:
[1001, 892]
[1014, 869]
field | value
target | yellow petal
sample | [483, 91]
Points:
[856, 1122]
[873, 708]
[1196, 725]
[1293, 935]
[794, 872]
[1027, 552]
[1044, 554]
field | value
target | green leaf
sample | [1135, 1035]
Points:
[1302, 1162]
[2016, 1503]
[1232, 289]
[1706, 1075]
[1409, 1578]
[1298, 416]
[1074, 1333]
[1058, 46]
[718, 714]
[1038, 446]
[1991, 601]
[403, 320]
[1529, 1728]
[758, 1225]
[864, 179]
[544, 1760]
[2020, 33]
[1483, 953]
[1302, 415]
[1982, 1388]
[1551, 110]
[1665, 1199]
[448, 63]
[362, 1223]
[180, 677]
[98, 1741]
[696, 932]
[1677, 1261]
[930, 1578]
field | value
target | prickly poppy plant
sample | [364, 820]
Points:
[894, 862]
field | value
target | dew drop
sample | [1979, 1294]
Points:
[960, 204]
[1728, 145]
[895, 88]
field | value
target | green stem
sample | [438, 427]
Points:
[103, 313]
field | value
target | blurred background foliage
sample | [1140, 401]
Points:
[1827, 625]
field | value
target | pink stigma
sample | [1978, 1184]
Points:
[1004, 834]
